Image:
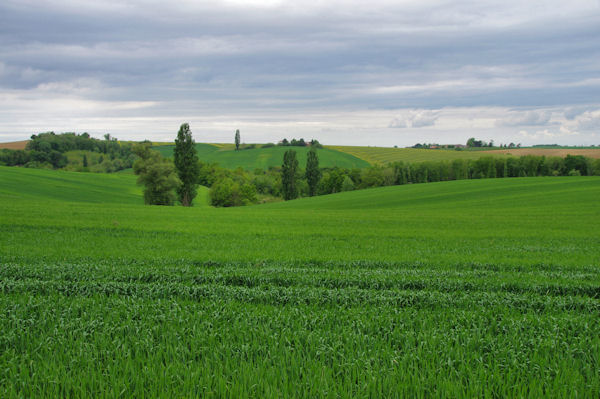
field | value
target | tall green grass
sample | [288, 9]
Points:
[485, 288]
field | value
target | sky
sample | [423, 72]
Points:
[379, 73]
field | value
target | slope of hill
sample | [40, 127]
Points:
[263, 158]
[43, 185]
[461, 196]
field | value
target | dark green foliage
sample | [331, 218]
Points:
[478, 143]
[577, 162]
[295, 143]
[186, 164]
[315, 144]
[85, 161]
[228, 192]
[289, 169]
[157, 174]
[237, 187]
[237, 139]
[313, 173]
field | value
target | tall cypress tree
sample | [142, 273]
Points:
[289, 169]
[186, 165]
[313, 174]
[237, 139]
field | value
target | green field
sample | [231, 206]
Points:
[263, 158]
[486, 288]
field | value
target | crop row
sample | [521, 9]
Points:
[119, 345]
[567, 283]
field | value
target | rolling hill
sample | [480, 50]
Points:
[263, 158]
[41, 185]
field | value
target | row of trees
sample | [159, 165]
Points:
[333, 180]
[299, 143]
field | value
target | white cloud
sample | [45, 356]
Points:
[415, 119]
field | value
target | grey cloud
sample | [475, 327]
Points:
[525, 118]
[589, 121]
[398, 123]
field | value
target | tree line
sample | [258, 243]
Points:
[291, 180]
[49, 150]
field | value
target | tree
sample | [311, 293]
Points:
[186, 164]
[157, 174]
[237, 140]
[313, 174]
[85, 161]
[289, 169]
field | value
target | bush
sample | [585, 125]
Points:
[348, 184]
[574, 172]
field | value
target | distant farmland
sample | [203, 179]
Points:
[14, 145]
[383, 155]
[549, 152]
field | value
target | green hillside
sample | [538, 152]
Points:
[462, 196]
[263, 158]
[383, 155]
[471, 288]
[367, 224]
[41, 185]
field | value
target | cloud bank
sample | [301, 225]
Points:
[438, 70]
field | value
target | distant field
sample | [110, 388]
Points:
[14, 145]
[549, 152]
[471, 288]
[263, 158]
[383, 155]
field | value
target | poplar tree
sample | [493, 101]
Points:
[313, 174]
[186, 165]
[237, 139]
[289, 169]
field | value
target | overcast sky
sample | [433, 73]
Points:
[344, 72]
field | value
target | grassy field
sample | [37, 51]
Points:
[456, 289]
[263, 158]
